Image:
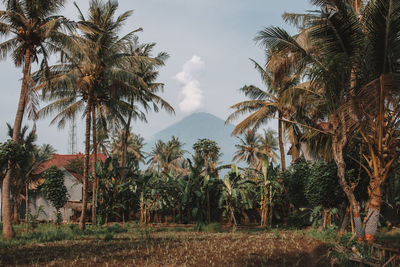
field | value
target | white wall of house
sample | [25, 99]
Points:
[74, 188]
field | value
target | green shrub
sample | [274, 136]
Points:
[108, 237]
[297, 219]
[116, 228]
[322, 188]
[54, 190]
[295, 180]
[33, 218]
[211, 228]
[327, 235]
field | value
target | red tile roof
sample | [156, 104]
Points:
[61, 161]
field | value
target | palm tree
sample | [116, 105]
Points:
[90, 73]
[144, 84]
[34, 29]
[354, 58]
[269, 145]
[28, 172]
[166, 157]
[248, 148]
[120, 108]
[265, 105]
[253, 146]
[134, 146]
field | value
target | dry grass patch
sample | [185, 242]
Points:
[174, 249]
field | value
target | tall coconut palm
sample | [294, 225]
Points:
[307, 59]
[167, 156]
[253, 146]
[355, 60]
[248, 148]
[90, 73]
[134, 146]
[33, 27]
[264, 106]
[124, 107]
[269, 144]
[145, 87]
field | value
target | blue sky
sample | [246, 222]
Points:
[209, 42]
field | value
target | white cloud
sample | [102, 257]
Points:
[191, 91]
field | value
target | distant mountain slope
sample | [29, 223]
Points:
[197, 126]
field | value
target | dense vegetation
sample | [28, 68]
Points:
[333, 86]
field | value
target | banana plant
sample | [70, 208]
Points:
[269, 188]
[235, 194]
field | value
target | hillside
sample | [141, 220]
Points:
[197, 126]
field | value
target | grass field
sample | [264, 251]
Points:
[177, 246]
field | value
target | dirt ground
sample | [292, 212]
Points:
[175, 249]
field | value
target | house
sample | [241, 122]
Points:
[38, 205]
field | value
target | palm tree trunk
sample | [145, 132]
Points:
[337, 147]
[16, 203]
[94, 186]
[141, 208]
[379, 173]
[281, 145]
[208, 206]
[8, 231]
[375, 198]
[27, 206]
[345, 221]
[86, 164]
[125, 137]
[326, 218]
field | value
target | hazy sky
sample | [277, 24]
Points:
[209, 42]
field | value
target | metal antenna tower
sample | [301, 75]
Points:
[72, 140]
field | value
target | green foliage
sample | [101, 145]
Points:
[108, 237]
[117, 192]
[116, 228]
[53, 187]
[45, 233]
[394, 195]
[33, 218]
[322, 188]
[11, 152]
[207, 153]
[211, 228]
[327, 235]
[297, 220]
[295, 180]
[207, 149]
[269, 191]
[235, 194]
[316, 215]
[166, 157]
